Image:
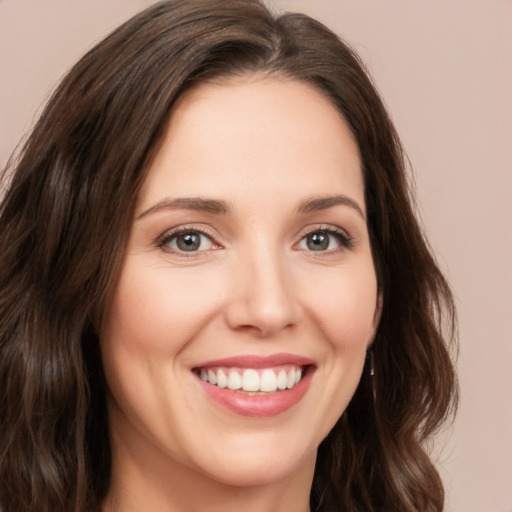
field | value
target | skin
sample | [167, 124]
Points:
[262, 146]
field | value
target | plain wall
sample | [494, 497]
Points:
[444, 69]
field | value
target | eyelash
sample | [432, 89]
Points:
[345, 240]
[168, 236]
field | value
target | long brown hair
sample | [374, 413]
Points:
[64, 223]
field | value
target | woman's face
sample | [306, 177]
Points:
[248, 264]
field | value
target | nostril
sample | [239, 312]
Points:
[263, 329]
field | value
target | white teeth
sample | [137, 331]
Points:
[282, 379]
[290, 382]
[234, 380]
[222, 380]
[266, 380]
[212, 377]
[251, 380]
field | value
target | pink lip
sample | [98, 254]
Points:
[254, 361]
[261, 406]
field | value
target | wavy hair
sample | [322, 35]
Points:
[64, 223]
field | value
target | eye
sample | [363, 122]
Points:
[324, 240]
[189, 240]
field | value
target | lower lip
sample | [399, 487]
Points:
[261, 406]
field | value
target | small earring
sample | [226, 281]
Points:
[372, 375]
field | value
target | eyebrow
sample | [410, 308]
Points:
[315, 204]
[218, 206]
[189, 203]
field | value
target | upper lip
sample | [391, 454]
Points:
[257, 361]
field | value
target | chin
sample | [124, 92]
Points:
[264, 471]
[255, 460]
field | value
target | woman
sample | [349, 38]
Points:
[214, 291]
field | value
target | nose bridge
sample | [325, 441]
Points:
[263, 298]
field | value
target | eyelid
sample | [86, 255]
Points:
[168, 235]
[346, 240]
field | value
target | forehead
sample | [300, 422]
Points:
[250, 135]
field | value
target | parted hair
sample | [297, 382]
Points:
[69, 196]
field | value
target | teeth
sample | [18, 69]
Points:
[266, 380]
[282, 379]
[290, 382]
[234, 380]
[212, 377]
[251, 381]
[222, 380]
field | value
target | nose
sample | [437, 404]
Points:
[262, 301]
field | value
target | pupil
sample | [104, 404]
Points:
[318, 241]
[189, 242]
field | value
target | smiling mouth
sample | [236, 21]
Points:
[253, 380]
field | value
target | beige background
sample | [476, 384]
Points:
[445, 71]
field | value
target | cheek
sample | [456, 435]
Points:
[148, 325]
[345, 308]
[343, 312]
[157, 311]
